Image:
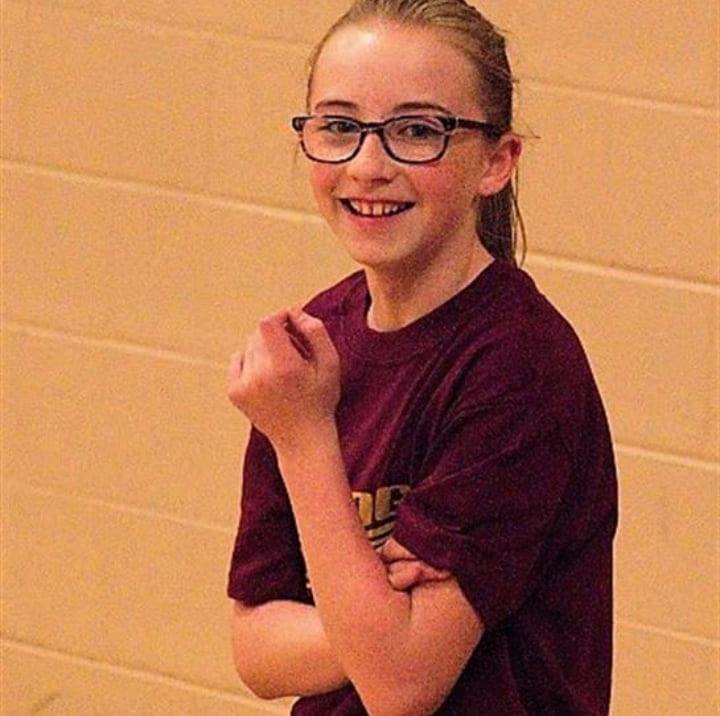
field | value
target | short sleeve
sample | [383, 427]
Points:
[266, 561]
[487, 503]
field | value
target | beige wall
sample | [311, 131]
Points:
[151, 215]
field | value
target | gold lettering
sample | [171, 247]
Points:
[381, 506]
[383, 509]
[397, 492]
[364, 502]
[379, 532]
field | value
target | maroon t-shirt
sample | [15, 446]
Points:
[477, 437]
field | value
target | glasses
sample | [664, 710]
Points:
[411, 139]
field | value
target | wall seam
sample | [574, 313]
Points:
[122, 507]
[144, 512]
[222, 201]
[155, 27]
[136, 673]
[668, 633]
[45, 492]
[299, 215]
[669, 458]
[122, 346]
[550, 260]
[684, 460]
[620, 98]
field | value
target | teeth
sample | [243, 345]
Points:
[375, 208]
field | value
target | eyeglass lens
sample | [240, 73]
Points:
[414, 139]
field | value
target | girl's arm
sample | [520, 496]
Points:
[403, 651]
[280, 649]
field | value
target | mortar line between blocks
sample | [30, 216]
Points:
[121, 507]
[664, 105]
[659, 631]
[134, 672]
[112, 344]
[153, 25]
[148, 188]
[299, 215]
[671, 458]
[624, 274]
[156, 27]
[690, 461]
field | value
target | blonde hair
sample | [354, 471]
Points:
[498, 217]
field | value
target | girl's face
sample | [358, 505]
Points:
[368, 73]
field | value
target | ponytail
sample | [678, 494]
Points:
[497, 223]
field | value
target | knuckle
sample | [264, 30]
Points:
[267, 320]
[398, 582]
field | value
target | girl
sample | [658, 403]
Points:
[435, 396]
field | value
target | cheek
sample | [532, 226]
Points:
[444, 188]
[323, 178]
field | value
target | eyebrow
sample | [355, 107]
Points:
[344, 104]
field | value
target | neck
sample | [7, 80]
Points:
[400, 299]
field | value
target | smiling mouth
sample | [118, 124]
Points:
[375, 210]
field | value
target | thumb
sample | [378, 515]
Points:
[316, 333]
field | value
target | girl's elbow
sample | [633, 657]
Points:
[401, 701]
[255, 683]
[246, 662]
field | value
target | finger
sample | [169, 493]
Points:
[393, 550]
[422, 569]
[313, 329]
[405, 583]
[399, 582]
[235, 385]
[404, 574]
[251, 352]
[235, 367]
[233, 375]
[434, 575]
[282, 337]
[299, 340]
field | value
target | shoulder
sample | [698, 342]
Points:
[330, 303]
[520, 349]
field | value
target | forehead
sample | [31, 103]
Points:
[378, 66]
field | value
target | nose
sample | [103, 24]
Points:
[372, 162]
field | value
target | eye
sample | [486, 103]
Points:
[338, 126]
[417, 129]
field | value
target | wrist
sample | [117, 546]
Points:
[306, 438]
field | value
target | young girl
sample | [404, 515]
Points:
[435, 396]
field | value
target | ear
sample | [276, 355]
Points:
[502, 158]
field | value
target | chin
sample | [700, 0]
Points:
[381, 260]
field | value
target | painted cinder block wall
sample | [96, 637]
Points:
[152, 213]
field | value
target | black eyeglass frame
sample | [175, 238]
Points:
[451, 124]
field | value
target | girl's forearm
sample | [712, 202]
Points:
[281, 649]
[367, 622]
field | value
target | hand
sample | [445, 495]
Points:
[288, 379]
[405, 570]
